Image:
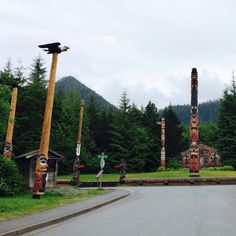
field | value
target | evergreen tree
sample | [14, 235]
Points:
[174, 144]
[227, 126]
[30, 109]
[6, 75]
[4, 111]
[208, 134]
[119, 132]
[65, 128]
[128, 139]
[150, 119]
[94, 125]
[19, 77]
[38, 72]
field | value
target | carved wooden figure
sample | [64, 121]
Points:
[194, 164]
[163, 151]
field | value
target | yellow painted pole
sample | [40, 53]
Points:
[42, 159]
[41, 163]
[8, 142]
[45, 137]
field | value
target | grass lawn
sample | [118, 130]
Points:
[151, 175]
[22, 205]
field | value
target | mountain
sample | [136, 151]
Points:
[207, 111]
[69, 82]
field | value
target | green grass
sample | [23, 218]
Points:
[11, 207]
[159, 174]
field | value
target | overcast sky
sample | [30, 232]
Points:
[146, 47]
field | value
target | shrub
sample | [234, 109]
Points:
[173, 164]
[231, 162]
[220, 168]
[11, 182]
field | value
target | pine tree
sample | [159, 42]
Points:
[94, 125]
[30, 109]
[227, 125]
[38, 72]
[5, 95]
[208, 134]
[150, 119]
[19, 77]
[174, 144]
[6, 75]
[65, 127]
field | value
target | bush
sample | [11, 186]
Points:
[220, 168]
[173, 164]
[231, 162]
[11, 182]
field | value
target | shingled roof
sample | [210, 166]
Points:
[51, 154]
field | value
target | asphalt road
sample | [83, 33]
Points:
[159, 211]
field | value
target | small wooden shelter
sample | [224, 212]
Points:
[27, 163]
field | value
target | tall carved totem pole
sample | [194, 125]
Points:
[42, 159]
[163, 151]
[8, 147]
[194, 163]
[77, 166]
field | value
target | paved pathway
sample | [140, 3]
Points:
[25, 224]
[159, 211]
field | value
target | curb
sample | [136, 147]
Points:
[49, 222]
[162, 181]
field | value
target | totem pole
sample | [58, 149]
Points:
[163, 152]
[194, 164]
[8, 143]
[121, 167]
[77, 166]
[42, 159]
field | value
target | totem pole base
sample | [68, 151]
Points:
[36, 196]
[163, 164]
[75, 182]
[122, 180]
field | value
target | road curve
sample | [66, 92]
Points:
[159, 211]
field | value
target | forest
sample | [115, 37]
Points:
[123, 132]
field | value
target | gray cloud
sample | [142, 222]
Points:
[146, 47]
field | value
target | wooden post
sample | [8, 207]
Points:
[8, 143]
[76, 165]
[80, 128]
[45, 137]
[42, 159]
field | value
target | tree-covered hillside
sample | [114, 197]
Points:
[207, 112]
[69, 82]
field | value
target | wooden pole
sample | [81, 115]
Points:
[76, 165]
[80, 128]
[46, 130]
[8, 143]
[41, 162]
[42, 159]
